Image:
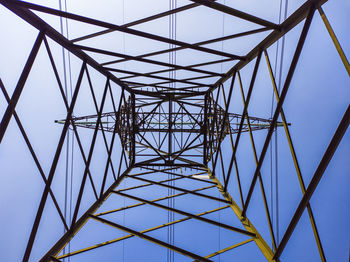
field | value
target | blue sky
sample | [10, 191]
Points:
[317, 98]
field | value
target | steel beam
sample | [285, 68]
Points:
[179, 189]
[117, 28]
[52, 169]
[35, 158]
[280, 103]
[145, 60]
[20, 85]
[92, 146]
[250, 90]
[292, 21]
[143, 231]
[235, 229]
[229, 248]
[328, 155]
[63, 241]
[258, 239]
[198, 43]
[65, 101]
[152, 239]
[234, 12]
[335, 40]
[154, 200]
[296, 163]
[138, 22]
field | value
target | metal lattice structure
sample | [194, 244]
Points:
[174, 128]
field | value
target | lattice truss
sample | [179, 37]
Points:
[165, 150]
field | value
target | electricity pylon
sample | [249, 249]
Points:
[151, 130]
[182, 137]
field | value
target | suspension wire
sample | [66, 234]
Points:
[173, 218]
[276, 135]
[173, 199]
[278, 60]
[68, 133]
[271, 112]
[72, 133]
[168, 213]
[172, 74]
[124, 181]
[221, 98]
[274, 141]
[71, 185]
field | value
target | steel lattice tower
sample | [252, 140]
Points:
[174, 133]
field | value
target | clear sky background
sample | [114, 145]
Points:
[318, 96]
